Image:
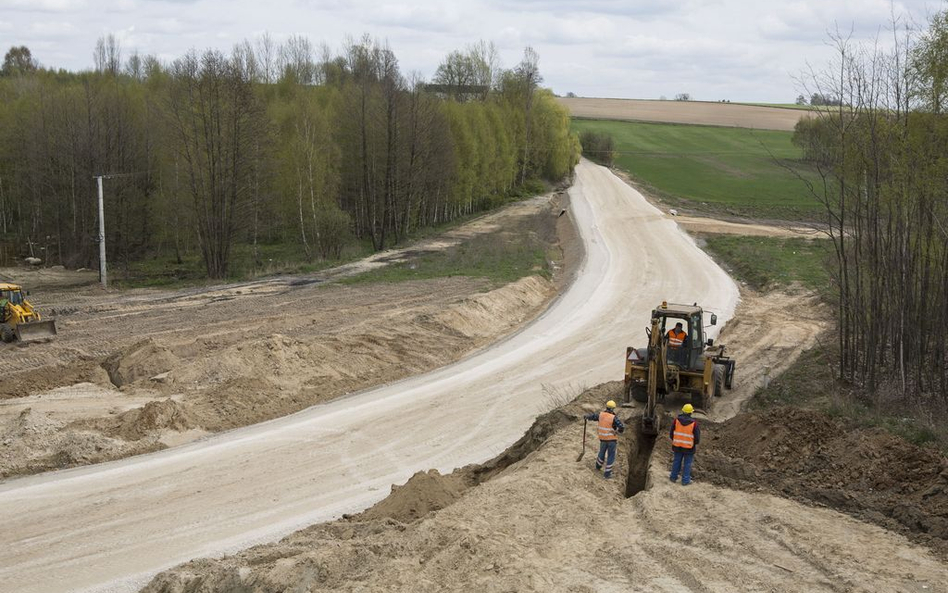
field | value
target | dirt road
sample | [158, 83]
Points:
[110, 527]
[685, 112]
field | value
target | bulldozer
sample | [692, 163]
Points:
[19, 320]
[683, 363]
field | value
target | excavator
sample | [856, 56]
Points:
[19, 320]
[683, 363]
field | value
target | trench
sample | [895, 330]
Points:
[640, 454]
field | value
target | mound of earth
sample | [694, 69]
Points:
[867, 473]
[143, 360]
[156, 415]
[544, 522]
[33, 442]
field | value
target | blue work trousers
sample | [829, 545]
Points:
[607, 456]
[682, 464]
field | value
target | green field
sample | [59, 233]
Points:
[718, 170]
[766, 263]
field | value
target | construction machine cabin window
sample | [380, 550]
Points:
[14, 296]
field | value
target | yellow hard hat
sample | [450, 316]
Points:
[610, 404]
[687, 408]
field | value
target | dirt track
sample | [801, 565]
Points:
[261, 482]
[142, 370]
[685, 112]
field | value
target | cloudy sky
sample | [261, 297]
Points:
[743, 50]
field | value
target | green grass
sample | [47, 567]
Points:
[771, 262]
[163, 271]
[499, 257]
[718, 170]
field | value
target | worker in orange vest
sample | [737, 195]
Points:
[609, 429]
[677, 338]
[685, 436]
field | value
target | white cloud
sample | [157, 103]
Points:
[52, 28]
[740, 49]
[43, 5]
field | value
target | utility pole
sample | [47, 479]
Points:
[103, 273]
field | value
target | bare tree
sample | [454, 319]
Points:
[108, 55]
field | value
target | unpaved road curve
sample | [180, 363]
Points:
[109, 527]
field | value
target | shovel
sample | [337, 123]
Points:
[583, 452]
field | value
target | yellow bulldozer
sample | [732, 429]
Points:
[19, 321]
[677, 360]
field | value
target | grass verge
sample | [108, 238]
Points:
[500, 257]
[771, 262]
[733, 171]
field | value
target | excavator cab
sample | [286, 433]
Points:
[676, 362]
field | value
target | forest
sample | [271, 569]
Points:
[882, 154]
[283, 144]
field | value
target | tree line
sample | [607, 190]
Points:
[884, 186]
[270, 143]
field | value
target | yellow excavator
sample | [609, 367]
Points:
[19, 321]
[677, 360]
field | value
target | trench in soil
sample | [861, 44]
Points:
[640, 454]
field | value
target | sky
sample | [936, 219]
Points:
[741, 50]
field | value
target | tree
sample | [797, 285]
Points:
[683, 97]
[801, 100]
[108, 55]
[18, 60]
[215, 120]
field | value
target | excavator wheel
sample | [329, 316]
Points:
[7, 334]
[638, 393]
[717, 376]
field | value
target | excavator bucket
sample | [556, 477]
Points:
[37, 330]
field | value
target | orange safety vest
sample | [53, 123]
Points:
[684, 436]
[675, 340]
[606, 432]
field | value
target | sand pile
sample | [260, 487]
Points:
[868, 473]
[155, 416]
[548, 523]
[143, 360]
[28, 424]
[32, 442]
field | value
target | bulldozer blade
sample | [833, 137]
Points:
[38, 330]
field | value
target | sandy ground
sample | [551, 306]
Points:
[685, 112]
[259, 483]
[543, 522]
[127, 375]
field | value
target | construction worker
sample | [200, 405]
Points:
[684, 435]
[677, 338]
[609, 428]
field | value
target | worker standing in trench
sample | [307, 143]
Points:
[685, 436]
[609, 429]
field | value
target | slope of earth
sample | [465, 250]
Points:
[543, 522]
[685, 112]
[138, 372]
[867, 473]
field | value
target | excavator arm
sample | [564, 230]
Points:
[657, 376]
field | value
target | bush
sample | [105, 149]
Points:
[335, 230]
[599, 147]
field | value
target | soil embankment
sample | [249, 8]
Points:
[805, 455]
[147, 369]
[542, 521]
